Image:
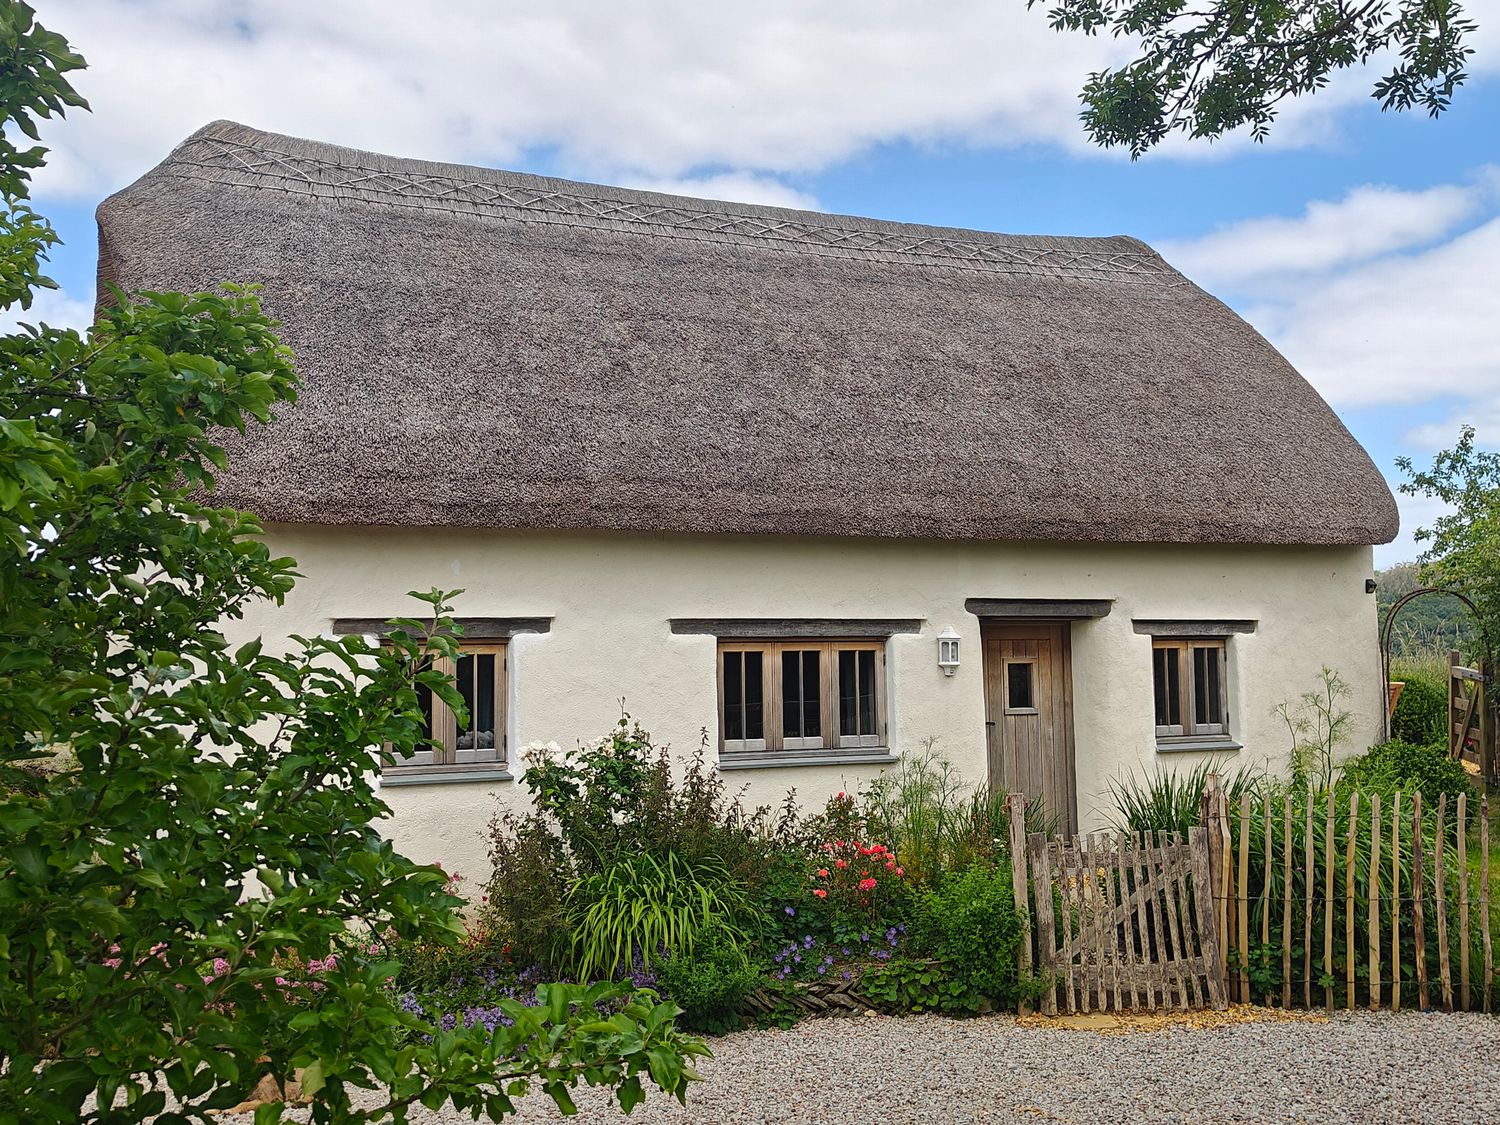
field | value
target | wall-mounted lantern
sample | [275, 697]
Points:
[948, 650]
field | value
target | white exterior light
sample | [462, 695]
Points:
[948, 650]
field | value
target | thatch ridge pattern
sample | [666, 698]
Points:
[492, 349]
[263, 166]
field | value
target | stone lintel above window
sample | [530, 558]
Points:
[474, 628]
[1182, 627]
[819, 627]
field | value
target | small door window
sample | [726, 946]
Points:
[1020, 687]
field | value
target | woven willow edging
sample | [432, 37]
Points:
[816, 998]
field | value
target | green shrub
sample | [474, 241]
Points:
[526, 906]
[709, 982]
[642, 907]
[1421, 713]
[1398, 765]
[970, 923]
[597, 811]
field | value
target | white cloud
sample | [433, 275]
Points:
[1367, 223]
[1382, 297]
[1401, 329]
[56, 308]
[654, 90]
[738, 187]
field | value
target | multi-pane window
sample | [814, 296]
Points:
[801, 695]
[479, 676]
[1189, 683]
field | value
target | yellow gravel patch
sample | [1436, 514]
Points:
[1127, 1023]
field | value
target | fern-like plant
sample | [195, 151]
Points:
[642, 907]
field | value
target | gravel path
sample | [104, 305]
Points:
[1360, 1067]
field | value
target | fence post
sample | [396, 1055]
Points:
[1015, 805]
[1214, 813]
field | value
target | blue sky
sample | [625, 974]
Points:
[1365, 245]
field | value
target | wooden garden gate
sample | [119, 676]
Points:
[1130, 924]
[1469, 728]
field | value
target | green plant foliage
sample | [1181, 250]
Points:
[187, 831]
[641, 906]
[971, 924]
[1421, 713]
[1426, 628]
[709, 982]
[599, 810]
[1171, 800]
[1318, 725]
[934, 821]
[908, 985]
[1400, 766]
[1217, 66]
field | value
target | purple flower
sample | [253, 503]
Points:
[883, 954]
[848, 975]
[791, 912]
[807, 942]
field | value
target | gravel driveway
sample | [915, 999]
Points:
[1361, 1067]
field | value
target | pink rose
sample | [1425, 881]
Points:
[821, 893]
[866, 884]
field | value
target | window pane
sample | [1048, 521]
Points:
[484, 701]
[812, 695]
[734, 696]
[1167, 674]
[424, 701]
[755, 719]
[791, 694]
[1018, 693]
[866, 692]
[1208, 696]
[800, 716]
[848, 694]
[465, 681]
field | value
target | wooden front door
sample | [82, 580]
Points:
[1028, 690]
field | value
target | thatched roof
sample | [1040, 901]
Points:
[489, 349]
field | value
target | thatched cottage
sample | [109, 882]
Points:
[822, 487]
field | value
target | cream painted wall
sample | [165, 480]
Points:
[611, 597]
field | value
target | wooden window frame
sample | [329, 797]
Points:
[831, 741]
[445, 754]
[1190, 729]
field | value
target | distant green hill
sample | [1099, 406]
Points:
[1426, 627]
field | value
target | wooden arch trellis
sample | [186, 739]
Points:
[1470, 706]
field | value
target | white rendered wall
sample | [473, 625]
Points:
[611, 597]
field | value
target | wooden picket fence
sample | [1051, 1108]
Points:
[1322, 905]
[1119, 921]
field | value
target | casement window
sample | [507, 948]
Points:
[1189, 678]
[479, 675]
[801, 695]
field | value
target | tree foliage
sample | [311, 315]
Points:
[1463, 544]
[1206, 67]
[192, 893]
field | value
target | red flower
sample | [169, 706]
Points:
[821, 893]
[843, 863]
[866, 884]
[822, 873]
